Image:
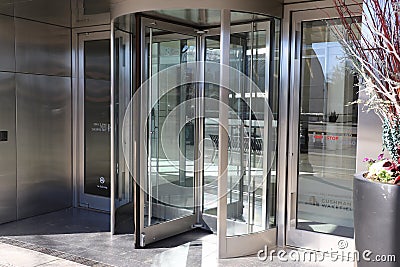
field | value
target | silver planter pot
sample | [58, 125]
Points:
[376, 222]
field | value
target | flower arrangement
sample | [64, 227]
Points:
[374, 48]
[383, 170]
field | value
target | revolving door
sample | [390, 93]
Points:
[195, 103]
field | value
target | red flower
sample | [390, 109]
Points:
[389, 166]
[397, 180]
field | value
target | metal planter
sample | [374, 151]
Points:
[376, 222]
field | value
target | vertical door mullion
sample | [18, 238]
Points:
[267, 204]
[249, 180]
[81, 121]
[223, 133]
[151, 131]
[114, 159]
[143, 140]
[199, 129]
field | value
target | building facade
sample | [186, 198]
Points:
[230, 116]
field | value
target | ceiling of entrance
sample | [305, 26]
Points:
[203, 17]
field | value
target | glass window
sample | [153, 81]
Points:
[97, 118]
[327, 133]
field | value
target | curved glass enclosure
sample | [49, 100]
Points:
[195, 110]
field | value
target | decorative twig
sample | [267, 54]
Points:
[374, 48]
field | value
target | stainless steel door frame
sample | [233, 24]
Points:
[296, 237]
[77, 158]
[250, 243]
[155, 232]
[121, 176]
[82, 199]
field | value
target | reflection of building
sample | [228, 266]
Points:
[293, 146]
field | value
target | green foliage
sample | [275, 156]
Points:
[384, 176]
[391, 137]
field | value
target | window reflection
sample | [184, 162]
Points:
[327, 133]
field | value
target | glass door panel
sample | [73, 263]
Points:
[252, 135]
[122, 208]
[324, 143]
[97, 118]
[95, 101]
[168, 192]
[211, 139]
[171, 139]
[252, 139]
[245, 202]
[328, 130]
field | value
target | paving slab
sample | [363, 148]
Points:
[12, 256]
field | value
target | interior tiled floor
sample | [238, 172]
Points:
[78, 234]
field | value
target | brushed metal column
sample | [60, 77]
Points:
[223, 132]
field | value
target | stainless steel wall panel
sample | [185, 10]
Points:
[92, 13]
[56, 12]
[42, 48]
[7, 7]
[8, 186]
[7, 43]
[44, 181]
[93, 7]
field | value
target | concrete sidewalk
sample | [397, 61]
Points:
[12, 256]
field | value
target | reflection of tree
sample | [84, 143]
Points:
[337, 72]
[342, 72]
[374, 48]
[313, 82]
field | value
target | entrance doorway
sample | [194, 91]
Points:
[199, 158]
[323, 139]
[94, 99]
